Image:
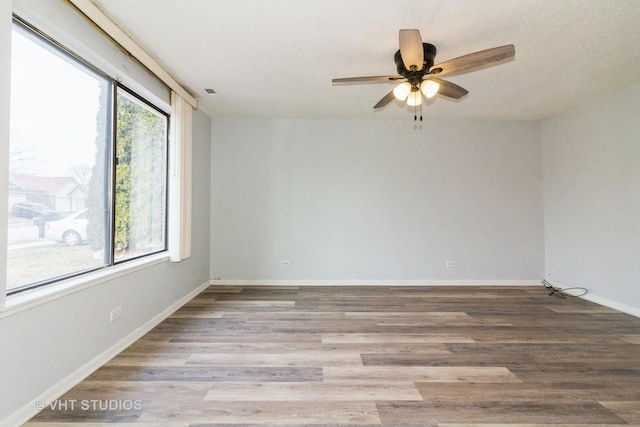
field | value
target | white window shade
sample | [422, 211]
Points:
[180, 179]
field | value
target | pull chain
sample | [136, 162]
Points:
[415, 113]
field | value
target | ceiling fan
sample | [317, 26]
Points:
[416, 69]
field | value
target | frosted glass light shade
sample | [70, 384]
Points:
[429, 88]
[402, 91]
[414, 98]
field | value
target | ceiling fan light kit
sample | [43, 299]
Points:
[402, 91]
[429, 88]
[414, 99]
[415, 65]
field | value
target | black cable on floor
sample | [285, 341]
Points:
[562, 292]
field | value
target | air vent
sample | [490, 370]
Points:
[210, 91]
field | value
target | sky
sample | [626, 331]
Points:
[53, 111]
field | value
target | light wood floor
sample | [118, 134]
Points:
[393, 356]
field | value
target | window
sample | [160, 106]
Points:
[140, 184]
[88, 167]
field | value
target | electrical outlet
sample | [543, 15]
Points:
[452, 264]
[116, 313]
[284, 263]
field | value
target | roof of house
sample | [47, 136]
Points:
[52, 185]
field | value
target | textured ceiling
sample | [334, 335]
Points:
[276, 58]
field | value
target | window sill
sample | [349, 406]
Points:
[29, 299]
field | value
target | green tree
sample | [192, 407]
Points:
[140, 179]
[97, 187]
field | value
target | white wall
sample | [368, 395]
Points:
[592, 198]
[376, 200]
[43, 346]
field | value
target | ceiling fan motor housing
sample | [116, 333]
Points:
[429, 57]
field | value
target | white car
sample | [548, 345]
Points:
[71, 229]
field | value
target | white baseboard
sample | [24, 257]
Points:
[29, 410]
[225, 282]
[634, 311]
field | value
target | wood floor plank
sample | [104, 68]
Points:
[472, 424]
[326, 326]
[245, 337]
[623, 376]
[309, 358]
[419, 324]
[147, 391]
[582, 310]
[190, 347]
[98, 424]
[270, 288]
[463, 393]
[393, 338]
[314, 392]
[84, 417]
[537, 337]
[254, 303]
[198, 314]
[281, 413]
[454, 315]
[206, 373]
[146, 359]
[295, 315]
[499, 412]
[219, 289]
[451, 360]
[419, 374]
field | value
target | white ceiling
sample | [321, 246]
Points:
[276, 58]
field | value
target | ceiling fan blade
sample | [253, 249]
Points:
[367, 79]
[385, 100]
[411, 49]
[473, 60]
[449, 89]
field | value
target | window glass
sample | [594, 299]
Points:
[140, 184]
[58, 133]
